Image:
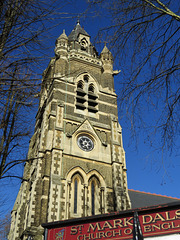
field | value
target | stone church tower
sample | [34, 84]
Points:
[78, 163]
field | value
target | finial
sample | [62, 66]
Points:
[78, 21]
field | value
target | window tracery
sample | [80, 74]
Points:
[75, 195]
[86, 97]
[85, 193]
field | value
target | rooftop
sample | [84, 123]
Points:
[143, 199]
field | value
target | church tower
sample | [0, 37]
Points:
[76, 165]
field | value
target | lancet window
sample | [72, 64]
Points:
[92, 99]
[80, 96]
[94, 196]
[85, 194]
[86, 97]
[75, 195]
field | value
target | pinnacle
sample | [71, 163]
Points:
[105, 49]
[63, 35]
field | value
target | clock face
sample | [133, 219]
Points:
[85, 143]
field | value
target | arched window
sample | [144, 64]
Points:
[86, 95]
[84, 44]
[92, 198]
[75, 195]
[80, 84]
[91, 88]
[85, 194]
[86, 78]
[92, 99]
[80, 96]
[94, 187]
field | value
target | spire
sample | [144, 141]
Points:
[76, 31]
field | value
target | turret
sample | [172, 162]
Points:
[61, 52]
[107, 60]
[107, 69]
[61, 44]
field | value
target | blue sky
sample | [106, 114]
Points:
[148, 170]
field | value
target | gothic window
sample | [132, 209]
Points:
[92, 99]
[91, 88]
[75, 195]
[86, 97]
[80, 85]
[84, 44]
[85, 193]
[86, 78]
[80, 96]
[92, 198]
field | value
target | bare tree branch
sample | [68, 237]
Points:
[23, 24]
[145, 35]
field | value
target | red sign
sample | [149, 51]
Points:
[158, 223]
